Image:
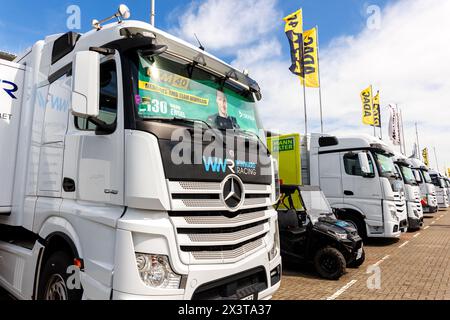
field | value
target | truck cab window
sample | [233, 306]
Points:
[353, 167]
[108, 98]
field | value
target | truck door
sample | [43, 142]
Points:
[94, 160]
[359, 191]
[331, 178]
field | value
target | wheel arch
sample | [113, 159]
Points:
[56, 234]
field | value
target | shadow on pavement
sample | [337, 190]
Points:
[381, 242]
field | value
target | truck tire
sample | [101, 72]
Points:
[53, 280]
[359, 262]
[330, 263]
[358, 223]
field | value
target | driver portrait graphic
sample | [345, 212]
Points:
[222, 120]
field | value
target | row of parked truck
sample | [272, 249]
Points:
[104, 195]
[379, 192]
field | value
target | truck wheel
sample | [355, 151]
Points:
[358, 224]
[330, 263]
[53, 280]
[359, 262]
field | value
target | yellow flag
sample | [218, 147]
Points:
[294, 22]
[448, 172]
[376, 111]
[425, 157]
[294, 31]
[367, 102]
[311, 58]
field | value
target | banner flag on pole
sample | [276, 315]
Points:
[376, 111]
[294, 33]
[425, 157]
[367, 103]
[311, 58]
[394, 125]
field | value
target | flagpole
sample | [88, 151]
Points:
[152, 12]
[403, 132]
[379, 114]
[417, 140]
[435, 156]
[320, 83]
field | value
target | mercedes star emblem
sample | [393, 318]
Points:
[233, 192]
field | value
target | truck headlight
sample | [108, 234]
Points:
[276, 243]
[393, 211]
[156, 272]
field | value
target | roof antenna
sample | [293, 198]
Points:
[200, 44]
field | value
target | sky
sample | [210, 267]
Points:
[401, 47]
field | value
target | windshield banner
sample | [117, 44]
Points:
[163, 94]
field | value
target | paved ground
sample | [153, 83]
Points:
[415, 267]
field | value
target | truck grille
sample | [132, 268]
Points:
[214, 237]
[400, 204]
[207, 232]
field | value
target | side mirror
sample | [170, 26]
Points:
[364, 163]
[86, 84]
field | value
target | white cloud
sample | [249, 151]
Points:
[408, 59]
[227, 24]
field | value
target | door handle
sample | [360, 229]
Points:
[68, 185]
[349, 193]
[114, 192]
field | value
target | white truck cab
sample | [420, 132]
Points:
[104, 196]
[441, 189]
[412, 191]
[358, 176]
[427, 188]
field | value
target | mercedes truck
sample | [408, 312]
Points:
[427, 188]
[357, 175]
[131, 168]
[412, 191]
[441, 189]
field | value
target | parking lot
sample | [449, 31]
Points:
[415, 267]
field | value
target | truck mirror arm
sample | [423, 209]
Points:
[102, 127]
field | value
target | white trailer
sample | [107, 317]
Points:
[92, 204]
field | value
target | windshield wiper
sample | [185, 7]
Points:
[250, 134]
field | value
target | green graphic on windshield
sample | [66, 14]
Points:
[166, 91]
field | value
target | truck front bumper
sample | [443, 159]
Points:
[415, 224]
[215, 281]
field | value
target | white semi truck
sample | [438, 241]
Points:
[412, 192]
[95, 202]
[427, 188]
[357, 175]
[441, 189]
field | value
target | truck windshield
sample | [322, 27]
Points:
[385, 164]
[171, 88]
[427, 177]
[408, 175]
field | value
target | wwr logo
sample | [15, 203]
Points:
[218, 165]
[9, 87]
